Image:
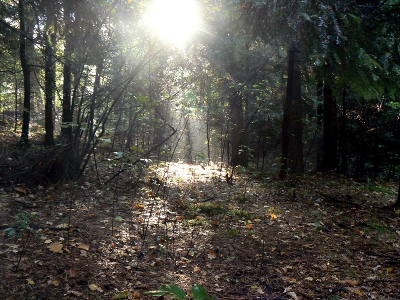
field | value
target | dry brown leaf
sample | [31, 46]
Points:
[56, 247]
[351, 282]
[358, 292]
[20, 190]
[95, 287]
[139, 206]
[83, 247]
[62, 225]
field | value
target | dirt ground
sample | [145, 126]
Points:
[257, 238]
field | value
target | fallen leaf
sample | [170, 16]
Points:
[139, 206]
[83, 247]
[273, 216]
[123, 295]
[309, 279]
[212, 255]
[293, 295]
[359, 232]
[62, 225]
[30, 281]
[20, 190]
[95, 287]
[56, 247]
[358, 292]
[47, 241]
[249, 226]
[351, 282]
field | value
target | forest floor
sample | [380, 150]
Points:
[317, 237]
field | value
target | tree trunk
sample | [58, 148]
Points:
[49, 78]
[344, 135]
[292, 123]
[330, 131]
[239, 152]
[66, 127]
[320, 113]
[27, 76]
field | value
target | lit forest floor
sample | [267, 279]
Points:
[257, 238]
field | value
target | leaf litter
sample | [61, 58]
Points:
[316, 238]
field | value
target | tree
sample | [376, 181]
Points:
[292, 123]
[26, 73]
[50, 12]
[67, 109]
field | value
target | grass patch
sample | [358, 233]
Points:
[380, 189]
[244, 214]
[211, 209]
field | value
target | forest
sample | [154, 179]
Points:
[200, 149]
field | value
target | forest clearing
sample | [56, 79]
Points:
[200, 149]
[313, 237]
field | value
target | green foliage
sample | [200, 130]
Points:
[175, 292]
[233, 232]
[318, 226]
[381, 189]
[212, 209]
[23, 223]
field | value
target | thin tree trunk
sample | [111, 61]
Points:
[27, 76]
[330, 130]
[66, 127]
[344, 134]
[292, 131]
[238, 151]
[320, 113]
[49, 92]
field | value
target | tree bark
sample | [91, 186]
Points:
[66, 127]
[24, 141]
[344, 135]
[292, 127]
[320, 114]
[330, 130]
[49, 78]
[239, 152]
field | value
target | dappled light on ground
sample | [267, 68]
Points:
[182, 173]
[257, 238]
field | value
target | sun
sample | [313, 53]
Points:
[174, 21]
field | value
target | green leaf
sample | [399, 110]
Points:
[318, 226]
[136, 149]
[199, 293]
[123, 295]
[169, 290]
